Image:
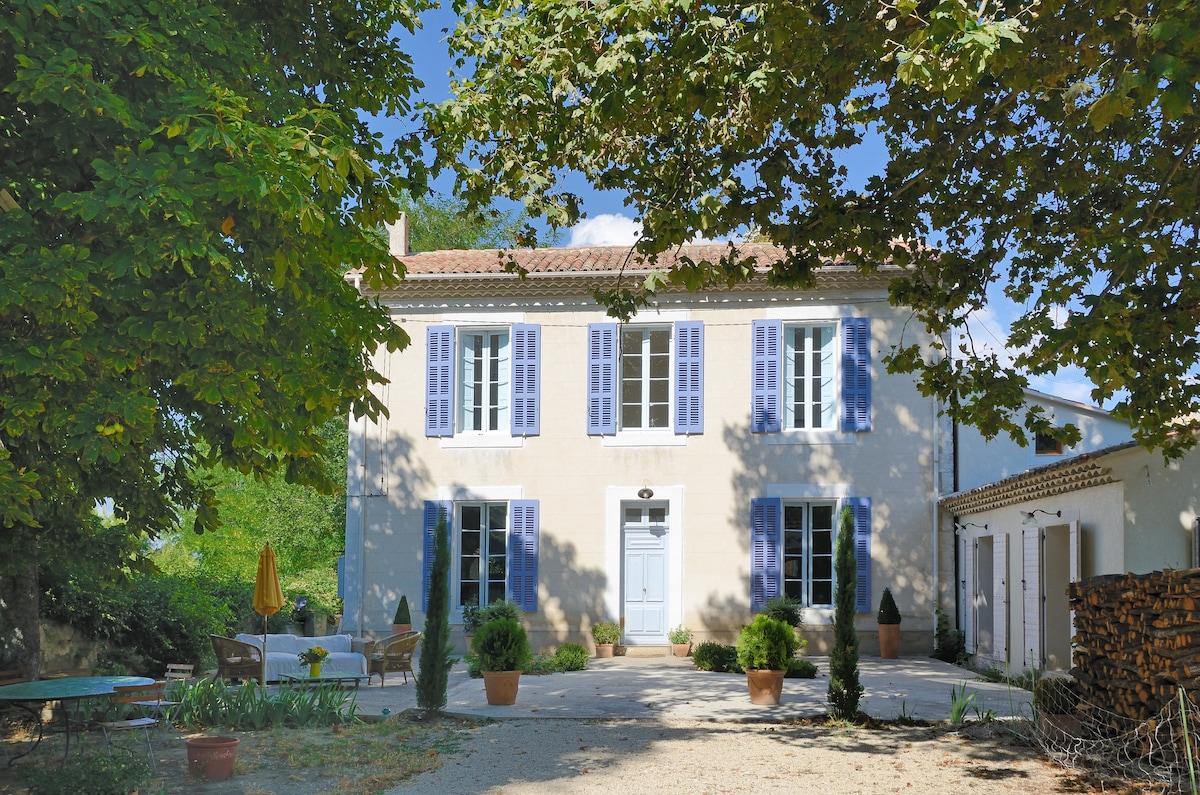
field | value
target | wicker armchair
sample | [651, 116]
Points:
[237, 660]
[392, 654]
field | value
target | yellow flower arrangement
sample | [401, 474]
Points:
[314, 655]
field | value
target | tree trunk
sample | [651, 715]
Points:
[20, 638]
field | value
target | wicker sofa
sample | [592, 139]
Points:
[240, 657]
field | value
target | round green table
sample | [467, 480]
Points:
[67, 689]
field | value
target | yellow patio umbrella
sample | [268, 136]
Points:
[268, 598]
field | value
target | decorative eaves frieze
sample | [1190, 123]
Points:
[1082, 472]
[563, 285]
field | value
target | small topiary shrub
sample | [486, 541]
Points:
[571, 657]
[766, 644]
[785, 609]
[501, 608]
[403, 614]
[712, 656]
[800, 669]
[502, 645]
[888, 612]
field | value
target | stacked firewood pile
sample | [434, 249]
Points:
[1137, 640]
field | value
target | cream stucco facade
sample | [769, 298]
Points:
[665, 511]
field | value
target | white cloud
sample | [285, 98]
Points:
[607, 229]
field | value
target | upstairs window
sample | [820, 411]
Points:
[645, 377]
[810, 371]
[483, 380]
[810, 376]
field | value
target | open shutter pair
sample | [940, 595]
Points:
[766, 387]
[523, 518]
[766, 550]
[440, 380]
[687, 381]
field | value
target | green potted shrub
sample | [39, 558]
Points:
[791, 612]
[763, 651]
[681, 640]
[502, 647]
[606, 634]
[402, 621]
[889, 626]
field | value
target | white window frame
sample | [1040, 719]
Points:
[645, 380]
[485, 552]
[496, 376]
[831, 399]
[804, 572]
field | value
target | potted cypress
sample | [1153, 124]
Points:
[889, 626]
[503, 650]
[402, 621]
[606, 634]
[763, 651]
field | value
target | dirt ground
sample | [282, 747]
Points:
[568, 756]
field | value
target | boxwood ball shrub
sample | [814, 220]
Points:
[571, 657]
[766, 644]
[502, 645]
[712, 656]
[800, 669]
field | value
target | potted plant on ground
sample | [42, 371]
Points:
[402, 621]
[791, 612]
[503, 650]
[606, 634]
[763, 650]
[681, 640]
[889, 626]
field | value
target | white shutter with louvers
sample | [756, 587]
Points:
[1000, 596]
[1031, 583]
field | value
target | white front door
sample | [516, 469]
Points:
[644, 572]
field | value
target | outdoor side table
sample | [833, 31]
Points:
[68, 689]
[336, 677]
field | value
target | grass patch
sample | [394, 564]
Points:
[364, 758]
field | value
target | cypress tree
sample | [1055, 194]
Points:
[844, 688]
[436, 647]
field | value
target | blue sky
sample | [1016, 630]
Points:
[610, 222]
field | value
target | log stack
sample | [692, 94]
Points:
[1137, 640]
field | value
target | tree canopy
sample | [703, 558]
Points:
[1050, 150]
[182, 186]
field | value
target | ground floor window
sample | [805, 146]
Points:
[482, 552]
[808, 532]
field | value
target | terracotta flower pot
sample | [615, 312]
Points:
[766, 686]
[501, 687]
[681, 649]
[398, 628]
[212, 757]
[889, 641]
[604, 649]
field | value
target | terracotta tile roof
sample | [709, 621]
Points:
[573, 260]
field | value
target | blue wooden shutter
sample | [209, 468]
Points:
[439, 381]
[856, 374]
[689, 377]
[767, 364]
[526, 380]
[766, 515]
[523, 554]
[602, 379]
[432, 509]
[860, 509]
